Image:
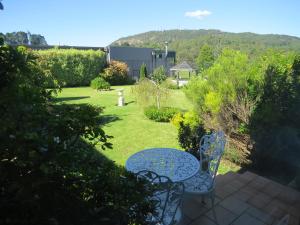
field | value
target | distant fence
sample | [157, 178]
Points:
[45, 47]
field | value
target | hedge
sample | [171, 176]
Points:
[71, 67]
[163, 114]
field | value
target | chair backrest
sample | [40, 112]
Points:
[211, 150]
[167, 195]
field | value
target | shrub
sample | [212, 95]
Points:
[143, 71]
[234, 155]
[100, 84]
[163, 114]
[189, 137]
[177, 119]
[170, 84]
[70, 67]
[117, 73]
[190, 118]
[159, 75]
[148, 93]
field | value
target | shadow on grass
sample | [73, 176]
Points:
[128, 103]
[84, 188]
[70, 98]
[106, 119]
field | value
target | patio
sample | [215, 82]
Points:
[243, 199]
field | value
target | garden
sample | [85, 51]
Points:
[65, 140]
[132, 131]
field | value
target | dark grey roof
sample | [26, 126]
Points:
[184, 66]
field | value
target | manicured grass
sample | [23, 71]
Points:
[128, 125]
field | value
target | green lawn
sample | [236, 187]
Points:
[132, 131]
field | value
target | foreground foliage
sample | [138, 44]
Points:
[275, 122]
[50, 171]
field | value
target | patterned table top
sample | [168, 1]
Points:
[175, 164]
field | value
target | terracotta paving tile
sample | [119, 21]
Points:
[224, 191]
[257, 184]
[246, 219]
[234, 205]
[237, 184]
[274, 210]
[203, 221]
[193, 209]
[221, 215]
[249, 190]
[273, 189]
[244, 179]
[294, 210]
[243, 199]
[260, 215]
[260, 200]
[185, 220]
[279, 204]
[294, 220]
[289, 196]
[262, 180]
[207, 200]
[243, 195]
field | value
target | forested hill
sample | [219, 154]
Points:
[188, 42]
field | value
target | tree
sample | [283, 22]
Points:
[16, 38]
[37, 40]
[23, 38]
[159, 75]
[205, 58]
[2, 37]
[143, 71]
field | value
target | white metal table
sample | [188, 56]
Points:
[175, 164]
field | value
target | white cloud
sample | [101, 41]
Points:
[198, 14]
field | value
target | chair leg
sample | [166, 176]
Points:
[212, 197]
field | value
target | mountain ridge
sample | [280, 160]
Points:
[187, 43]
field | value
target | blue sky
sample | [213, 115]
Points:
[100, 22]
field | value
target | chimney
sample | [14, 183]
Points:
[166, 44]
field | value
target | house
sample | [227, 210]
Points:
[135, 57]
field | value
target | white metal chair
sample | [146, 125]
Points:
[211, 150]
[167, 197]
